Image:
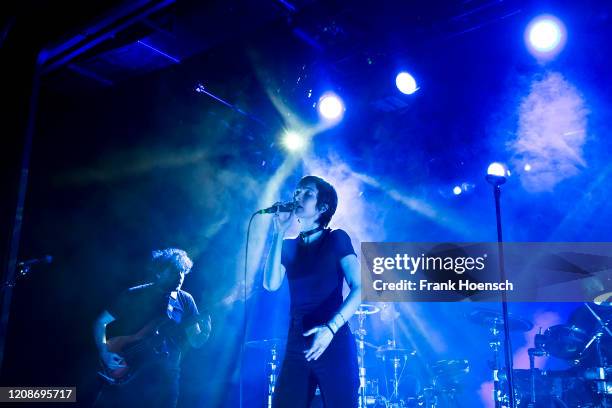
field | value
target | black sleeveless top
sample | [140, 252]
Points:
[315, 275]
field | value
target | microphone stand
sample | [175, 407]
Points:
[244, 310]
[497, 181]
[270, 210]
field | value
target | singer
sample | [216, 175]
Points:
[320, 346]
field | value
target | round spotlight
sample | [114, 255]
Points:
[496, 169]
[527, 167]
[330, 106]
[496, 174]
[406, 83]
[457, 190]
[545, 36]
[294, 141]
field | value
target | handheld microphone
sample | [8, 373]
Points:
[280, 207]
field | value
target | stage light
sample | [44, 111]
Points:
[545, 36]
[457, 190]
[294, 141]
[527, 167]
[330, 106]
[496, 169]
[496, 173]
[406, 83]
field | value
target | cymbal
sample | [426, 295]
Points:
[367, 309]
[604, 299]
[266, 344]
[386, 348]
[451, 368]
[494, 319]
[390, 351]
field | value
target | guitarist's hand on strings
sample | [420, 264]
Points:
[112, 360]
[199, 332]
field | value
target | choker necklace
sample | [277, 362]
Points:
[305, 234]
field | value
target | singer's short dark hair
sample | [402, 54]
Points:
[326, 195]
[173, 258]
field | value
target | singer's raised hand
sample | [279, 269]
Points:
[282, 221]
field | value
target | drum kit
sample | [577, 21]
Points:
[584, 345]
[587, 383]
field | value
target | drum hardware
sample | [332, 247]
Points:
[585, 384]
[367, 309]
[598, 374]
[362, 312]
[448, 374]
[538, 351]
[399, 359]
[447, 378]
[273, 346]
[533, 353]
[601, 330]
[495, 322]
[272, 374]
[545, 388]
[369, 392]
[566, 342]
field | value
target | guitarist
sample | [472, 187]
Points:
[159, 320]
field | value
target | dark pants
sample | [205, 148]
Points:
[154, 386]
[335, 372]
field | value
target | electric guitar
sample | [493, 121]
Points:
[146, 344]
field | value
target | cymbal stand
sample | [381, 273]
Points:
[538, 351]
[272, 374]
[495, 345]
[361, 333]
[601, 377]
[397, 375]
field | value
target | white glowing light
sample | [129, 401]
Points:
[545, 36]
[294, 141]
[330, 106]
[457, 190]
[406, 83]
[496, 169]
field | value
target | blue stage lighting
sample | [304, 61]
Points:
[330, 106]
[406, 83]
[545, 36]
[294, 141]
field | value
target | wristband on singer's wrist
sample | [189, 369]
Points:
[329, 326]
